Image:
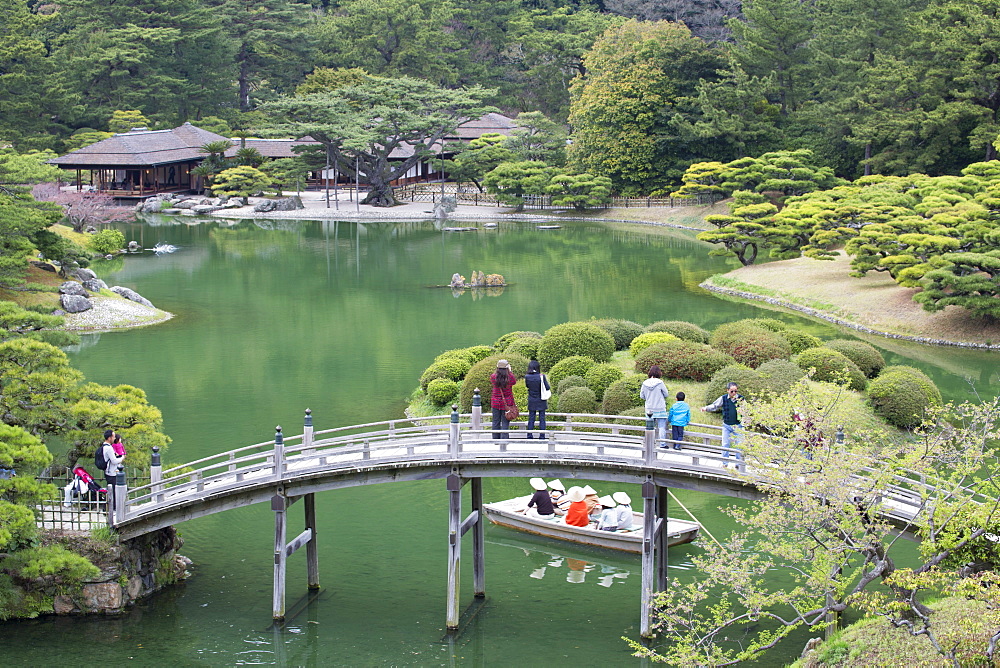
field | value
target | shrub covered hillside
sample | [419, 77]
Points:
[598, 366]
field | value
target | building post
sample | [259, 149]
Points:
[279, 504]
[454, 547]
[476, 422]
[648, 549]
[156, 475]
[312, 548]
[478, 541]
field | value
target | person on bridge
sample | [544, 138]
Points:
[502, 398]
[578, 514]
[536, 381]
[654, 393]
[540, 504]
[729, 403]
[680, 416]
[624, 510]
[112, 458]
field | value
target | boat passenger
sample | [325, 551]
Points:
[624, 510]
[577, 515]
[592, 501]
[609, 517]
[540, 504]
[557, 492]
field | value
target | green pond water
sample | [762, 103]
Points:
[276, 317]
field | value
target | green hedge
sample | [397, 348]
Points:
[453, 368]
[505, 340]
[683, 359]
[769, 379]
[831, 367]
[575, 338]
[902, 394]
[780, 375]
[442, 390]
[749, 343]
[574, 365]
[525, 345]
[479, 376]
[647, 339]
[866, 356]
[577, 400]
[622, 331]
[568, 382]
[622, 395]
[800, 341]
[471, 354]
[681, 329]
[600, 377]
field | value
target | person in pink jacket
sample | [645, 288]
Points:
[502, 398]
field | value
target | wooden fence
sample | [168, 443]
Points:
[432, 193]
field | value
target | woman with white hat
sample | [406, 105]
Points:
[624, 510]
[609, 517]
[578, 514]
[557, 492]
[540, 504]
[592, 501]
[502, 398]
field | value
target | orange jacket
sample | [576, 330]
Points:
[578, 514]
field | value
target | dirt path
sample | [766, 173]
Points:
[874, 303]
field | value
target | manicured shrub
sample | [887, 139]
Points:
[600, 376]
[575, 338]
[780, 375]
[901, 395]
[749, 344]
[638, 411]
[622, 395]
[800, 341]
[479, 376]
[453, 368]
[574, 365]
[505, 340]
[866, 356]
[682, 330]
[770, 324]
[577, 400]
[683, 359]
[622, 331]
[526, 346]
[471, 354]
[647, 339]
[831, 367]
[751, 383]
[106, 242]
[568, 382]
[442, 390]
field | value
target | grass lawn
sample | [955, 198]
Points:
[875, 302]
[688, 216]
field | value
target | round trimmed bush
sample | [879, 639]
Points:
[770, 324]
[831, 366]
[570, 381]
[575, 338]
[453, 368]
[442, 390]
[901, 394]
[638, 411]
[682, 330]
[622, 395]
[749, 344]
[683, 359]
[800, 341]
[505, 340]
[471, 354]
[600, 376]
[574, 365]
[866, 356]
[647, 339]
[577, 400]
[525, 345]
[479, 376]
[751, 384]
[779, 375]
[622, 331]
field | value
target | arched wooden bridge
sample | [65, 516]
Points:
[459, 450]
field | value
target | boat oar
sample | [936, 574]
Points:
[684, 508]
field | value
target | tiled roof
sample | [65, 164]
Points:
[491, 122]
[143, 148]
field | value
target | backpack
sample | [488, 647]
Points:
[99, 460]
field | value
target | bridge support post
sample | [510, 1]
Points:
[279, 504]
[455, 484]
[654, 551]
[478, 541]
[312, 551]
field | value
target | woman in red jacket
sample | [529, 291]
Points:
[502, 398]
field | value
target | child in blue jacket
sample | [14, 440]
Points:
[680, 416]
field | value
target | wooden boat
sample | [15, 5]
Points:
[510, 513]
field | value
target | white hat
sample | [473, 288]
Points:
[588, 490]
[557, 484]
[537, 483]
[622, 498]
[503, 364]
[606, 501]
[575, 494]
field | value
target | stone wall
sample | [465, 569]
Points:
[133, 570]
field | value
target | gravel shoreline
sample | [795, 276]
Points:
[111, 313]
